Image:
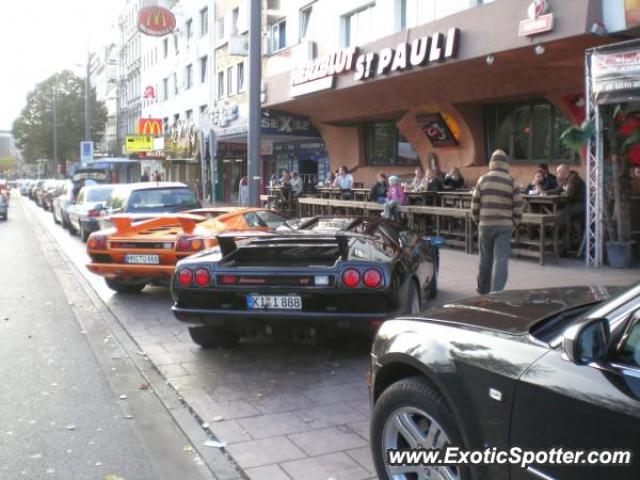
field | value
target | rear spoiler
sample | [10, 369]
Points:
[227, 241]
[126, 224]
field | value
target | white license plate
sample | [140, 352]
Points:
[272, 302]
[142, 259]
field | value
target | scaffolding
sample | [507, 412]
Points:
[594, 231]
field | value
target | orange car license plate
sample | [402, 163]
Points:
[142, 259]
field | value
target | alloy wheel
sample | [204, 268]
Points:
[410, 427]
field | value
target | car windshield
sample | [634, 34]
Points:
[99, 194]
[162, 198]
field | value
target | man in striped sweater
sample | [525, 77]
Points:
[496, 207]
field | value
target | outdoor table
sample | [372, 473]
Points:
[544, 203]
[455, 198]
[426, 198]
[361, 194]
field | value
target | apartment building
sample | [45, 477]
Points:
[103, 75]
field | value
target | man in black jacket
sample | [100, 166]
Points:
[379, 189]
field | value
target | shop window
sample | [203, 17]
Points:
[528, 131]
[384, 145]
[278, 36]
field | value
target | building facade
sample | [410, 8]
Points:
[393, 84]
[104, 78]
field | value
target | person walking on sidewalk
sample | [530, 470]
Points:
[496, 206]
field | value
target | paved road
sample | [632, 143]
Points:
[73, 405]
[286, 411]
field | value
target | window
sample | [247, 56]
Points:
[358, 27]
[220, 84]
[278, 35]
[220, 29]
[176, 44]
[235, 28]
[629, 354]
[188, 114]
[527, 131]
[204, 110]
[175, 83]
[189, 76]
[204, 21]
[230, 85]
[203, 69]
[176, 118]
[189, 27]
[165, 88]
[305, 18]
[384, 145]
[241, 85]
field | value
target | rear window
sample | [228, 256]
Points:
[160, 198]
[263, 218]
[100, 194]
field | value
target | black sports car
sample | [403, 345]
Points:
[537, 369]
[323, 274]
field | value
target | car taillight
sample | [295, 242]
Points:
[351, 278]
[372, 278]
[97, 242]
[185, 276]
[228, 279]
[202, 277]
[189, 244]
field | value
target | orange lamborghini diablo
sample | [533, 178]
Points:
[132, 254]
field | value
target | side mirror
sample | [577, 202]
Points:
[587, 342]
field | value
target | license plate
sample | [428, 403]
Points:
[142, 259]
[272, 302]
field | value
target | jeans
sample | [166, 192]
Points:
[390, 211]
[495, 247]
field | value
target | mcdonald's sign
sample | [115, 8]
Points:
[156, 21]
[150, 126]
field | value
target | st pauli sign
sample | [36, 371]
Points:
[320, 74]
[616, 75]
[156, 21]
[150, 126]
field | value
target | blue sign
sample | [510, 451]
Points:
[86, 151]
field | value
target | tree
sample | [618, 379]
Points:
[8, 164]
[33, 129]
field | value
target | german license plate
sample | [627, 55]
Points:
[142, 259]
[272, 302]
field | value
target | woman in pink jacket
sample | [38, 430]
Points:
[395, 197]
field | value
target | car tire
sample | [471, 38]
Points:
[124, 286]
[414, 303]
[433, 286]
[214, 337]
[55, 219]
[65, 223]
[414, 399]
[84, 235]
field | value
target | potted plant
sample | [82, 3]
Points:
[622, 135]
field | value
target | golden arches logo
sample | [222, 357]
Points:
[156, 21]
[150, 126]
[155, 18]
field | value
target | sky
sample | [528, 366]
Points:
[41, 37]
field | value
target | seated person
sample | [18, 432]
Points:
[433, 182]
[536, 187]
[344, 180]
[454, 179]
[550, 180]
[285, 179]
[573, 187]
[296, 184]
[419, 182]
[328, 182]
[378, 192]
[395, 198]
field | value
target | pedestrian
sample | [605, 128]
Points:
[395, 198]
[297, 185]
[145, 176]
[244, 191]
[496, 207]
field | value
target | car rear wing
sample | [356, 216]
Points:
[126, 224]
[229, 241]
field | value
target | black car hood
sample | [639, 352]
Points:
[516, 311]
